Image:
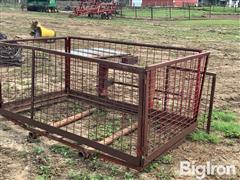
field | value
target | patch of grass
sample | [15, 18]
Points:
[62, 150]
[224, 116]
[87, 176]
[167, 159]
[94, 163]
[226, 123]
[230, 129]
[71, 162]
[152, 167]
[113, 170]
[45, 172]
[23, 154]
[38, 150]
[202, 136]
[128, 176]
[164, 174]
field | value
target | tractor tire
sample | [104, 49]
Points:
[90, 15]
[103, 16]
[109, 16]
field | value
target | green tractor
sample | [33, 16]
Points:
[42, 5]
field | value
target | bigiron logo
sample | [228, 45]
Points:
[201, 171]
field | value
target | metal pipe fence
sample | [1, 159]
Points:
[175, 13]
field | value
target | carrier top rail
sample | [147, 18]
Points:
[136, 44]
[33, 39]
[108, 41]
[110, 64]
[123, 66]
[178, 60]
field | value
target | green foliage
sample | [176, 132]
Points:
[104, 130]
[113, 170]
[38, 150]
[71, 162]
[202, 136]
[62, 150]
[100, 113]
[128, 176]
[230, 129]
[45, 173]
[164, 175]
[87, 176]
[167, 159]
[152, 167]
[94, 163]
[224, 116]
[226, 122]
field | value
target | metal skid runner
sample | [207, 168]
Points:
[128, 102]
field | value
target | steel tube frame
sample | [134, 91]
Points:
[146, 76]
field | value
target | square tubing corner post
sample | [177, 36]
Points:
[209, 118]
[198, 90]
[33, 84]
[142, 145]
[67, 65]
[102, 87]
[1, 99]
[166, 88]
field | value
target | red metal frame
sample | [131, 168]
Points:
[159, 82]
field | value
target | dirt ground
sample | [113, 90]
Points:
[18, 160]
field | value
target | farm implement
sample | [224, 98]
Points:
[96, 8]
[42, 5]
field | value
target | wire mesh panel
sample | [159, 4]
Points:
[56, 43]
[126, 52]
[129, 102]
[207, 100]
[15, 70]
[173, 99]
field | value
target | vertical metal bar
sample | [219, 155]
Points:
[189, 12]
[209, 118]
[151, 12]
[102, 80]
[170, 12]
[197, 94]
[210, 11]
[142, 116]
[152, 86]
[67, 64]
[135, 10]
[1, 99]
[121, 8]
[166, 89]
[202, 83]
[33, 84]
